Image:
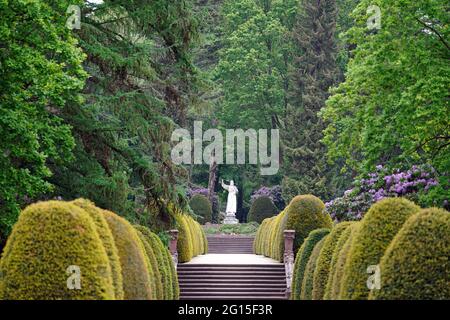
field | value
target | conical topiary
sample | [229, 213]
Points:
[376, 231]
[305, 214]
[416, 264]
[108, 243]
[53, 244]
[133, 260]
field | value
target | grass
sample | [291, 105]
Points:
[241, 228]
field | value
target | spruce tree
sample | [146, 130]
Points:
[314, 71]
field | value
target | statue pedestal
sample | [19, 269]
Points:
[230, 218]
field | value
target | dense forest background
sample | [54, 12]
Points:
[89, 112]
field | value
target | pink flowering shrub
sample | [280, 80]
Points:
[414, 184]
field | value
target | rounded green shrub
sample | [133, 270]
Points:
[416, 263]
[262, 208]
[346, 242]
[322, 270]
[301, 260]
[377, 229]
[133, 260]
[305, 214]
[334, 257]
[108, 243]
[162, 264]
[184, 243]
[154, 268]
[201, 206]
[307, 284]
[49, 240]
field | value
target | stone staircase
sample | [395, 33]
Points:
[230, 244]
[235, 280]
[238, 281]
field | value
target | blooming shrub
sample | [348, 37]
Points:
[274, 193]
[382, 183]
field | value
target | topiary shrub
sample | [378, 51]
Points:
[201, 206]
[278, 237]
[133, 260]
[175, 292]
[416, 263]
[261, 209]
[322, 270]
[377, 229]
[184, 243]
[267, 243]
[301, 260]
[108, 243]
[154, 270]
[47, 239]
[162, 264]
[307, 284]
[341, 258]
[305, 214]
[334, 257]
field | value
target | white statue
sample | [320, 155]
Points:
[231, 203]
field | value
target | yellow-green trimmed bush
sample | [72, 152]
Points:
[334, 258]
[346, 243]
[108, 243]
[48, 238]
[262, 208]
[278, 252]
[133, 260]
[416, 263]
[162, 264]
[191, 238]
[307, 284]
[154, 268]
[377, 229]
[257, 247]
[322, 270]
[305, 214]
[175, 292]
[302, 258]
[201, 206]
[184, 245]
[268, 234]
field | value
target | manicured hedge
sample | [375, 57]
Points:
[336, 284]
[302, 258]
[262, 208]
[191, 238]
[307, 283]
[134, 262]
[108, 243]
[336, 266]
[416, 263]
[201, 207]
[322, 270]
[154, 270]
[47, 239]
[377, 229]
[303, 215]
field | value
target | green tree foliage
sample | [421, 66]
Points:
[252, 67]
[40, 67]
[393, 106]
[141, 79]
[314, 73]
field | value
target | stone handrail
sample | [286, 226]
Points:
[288, 259]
